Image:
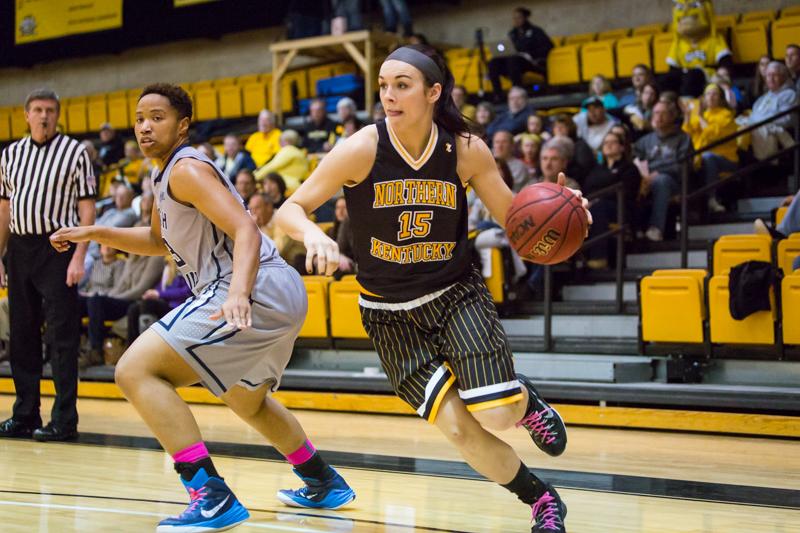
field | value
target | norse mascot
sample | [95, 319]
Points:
[697, 49]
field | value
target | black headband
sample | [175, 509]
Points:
[420, 61]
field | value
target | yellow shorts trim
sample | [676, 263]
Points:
[437, 402]
[494, 403]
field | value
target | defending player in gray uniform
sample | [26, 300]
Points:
[234, 335]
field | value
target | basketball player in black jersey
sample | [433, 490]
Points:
[425, 307]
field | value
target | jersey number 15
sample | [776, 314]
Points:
[414, 224]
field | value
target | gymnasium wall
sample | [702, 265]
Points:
[248, 52]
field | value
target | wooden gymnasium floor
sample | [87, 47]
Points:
[116, 479]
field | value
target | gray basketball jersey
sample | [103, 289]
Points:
[202, 251]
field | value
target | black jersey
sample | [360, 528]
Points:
[409, 219]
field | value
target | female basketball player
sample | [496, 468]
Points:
[235, 335]
[425, 307]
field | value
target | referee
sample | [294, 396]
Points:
[46, 182]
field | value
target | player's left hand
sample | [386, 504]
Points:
[236, 311]
[562, 180]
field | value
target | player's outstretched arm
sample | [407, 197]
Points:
[139, 241]
[347, 164]
[476, 167]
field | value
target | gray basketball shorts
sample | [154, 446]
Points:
[250, 357]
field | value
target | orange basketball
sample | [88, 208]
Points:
[546, 223]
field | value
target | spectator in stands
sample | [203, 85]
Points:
[234, 157]
[378, 113]
[555, 156]
[290, 162]
[780, 96]
[733, 95]
[594, 123]
[600, 88]
[530, 146]
[640, 113]
[121, 215]
[105, 273]
[111, 148]
[318, 128]
[503, 149]
[625, 133]
[275, 188]
[395, 11]
[484, 115]
[793, 64]
[460, 99]
[264, 143]
[789, 225]
[535, 126]
[759, 86]
[208, 150]
[94, 156]
[245, 184]
[659, 158]
[640, 76]
[134, 168]
[345, 111]
[515, 119]
[305, 18]
[615, 167]
[350, 12]
[532, 46]
[342, 233]
[712, 120]
[262, 210]
[170, 292]
[349, 127]
[582, 159]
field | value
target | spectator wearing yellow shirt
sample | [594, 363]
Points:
[290, 162]
[264, 143]
[713, 120]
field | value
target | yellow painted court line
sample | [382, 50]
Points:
[587, 415]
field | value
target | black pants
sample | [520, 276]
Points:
[157, 307]
[512, 67]
[37, 291]
[99, 309]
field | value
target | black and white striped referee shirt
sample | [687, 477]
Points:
[43, 183]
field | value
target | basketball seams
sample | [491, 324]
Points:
[544, 223]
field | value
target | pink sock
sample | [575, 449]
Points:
[302, 454]
[192, 454]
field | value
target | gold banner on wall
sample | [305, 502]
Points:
[39, 20]
[184, 3]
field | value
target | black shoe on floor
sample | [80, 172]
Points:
[549, 513]
[52, 432]
[12, 429]
[544, 424]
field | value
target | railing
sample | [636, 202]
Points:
[619, 233]
[686, 196]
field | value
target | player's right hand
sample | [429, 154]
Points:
[61, 239]
[321, 251]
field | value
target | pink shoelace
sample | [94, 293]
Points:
[547, 506]
[195, 497]
[536, 422]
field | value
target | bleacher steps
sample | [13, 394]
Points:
[584, 367]
[598, 292]
[592, 326]
[714, 231]
[655, 260]
[758, 205]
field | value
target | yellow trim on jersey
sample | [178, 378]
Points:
[440, 396]
[494, 403]
[416, 164]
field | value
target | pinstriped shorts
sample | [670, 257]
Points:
[450, 337]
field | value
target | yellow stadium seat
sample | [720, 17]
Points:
[758, 16]
[779, 214]
[118, 115]
[580, 38]
[597, 58]
[344, 67]
[254, 97]
[631, 52]
[557, 41]
[790, 303]
[206, 106]
[248, 78]
[222, 82]
[661, 295]
[133, 100]
[563, 66]
[731, 250]
[661, 45]
[202, 84]
[19, 127]
[230, 101]
[725, 23]
[758, 328]
[5, 123]
[325, 226]
[465, 72]
[77, 118]
[790, 11]
[749, 41]
[785, 31]
[788, 250]
[316, 323]
[97, 110]
[613, 35]
[496, 281]
[344, 312]
[695, 273]
[648, 29]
